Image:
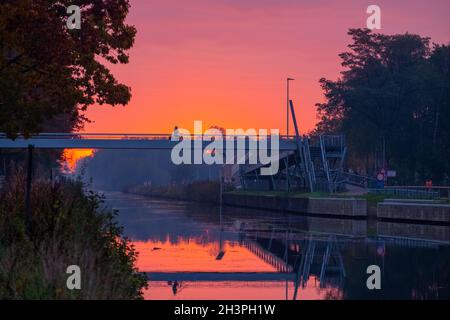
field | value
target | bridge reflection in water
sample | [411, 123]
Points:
[188, 252]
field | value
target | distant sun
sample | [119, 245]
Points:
[72, 157]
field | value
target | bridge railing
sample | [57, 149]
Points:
[145, 136]
[406, 193]
[333, 141]
[441, 191]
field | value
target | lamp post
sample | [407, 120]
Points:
[287, 104]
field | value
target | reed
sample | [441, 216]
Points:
[70, 226]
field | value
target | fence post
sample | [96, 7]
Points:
[28, 214]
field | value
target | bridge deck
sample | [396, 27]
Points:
[130, 141]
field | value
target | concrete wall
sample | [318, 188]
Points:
[414, 211]
[414, 231]
[338, 206]
[345, 227]
[348, 207]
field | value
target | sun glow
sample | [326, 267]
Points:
[72, 157]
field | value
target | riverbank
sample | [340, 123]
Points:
[362, 207]
[301, 204]
[69, 226]
[370, 206]
[199, 191]
[420, 211]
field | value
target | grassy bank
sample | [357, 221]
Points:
[293, 194]
[69, 227]
[200, 191]
[302, 194]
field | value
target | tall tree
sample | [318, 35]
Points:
[50, 74]
[391, 101]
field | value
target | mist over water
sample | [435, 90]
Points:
[115, 170]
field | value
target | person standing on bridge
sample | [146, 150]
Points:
[175, 134]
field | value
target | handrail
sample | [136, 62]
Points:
[407, 193]
[418, 187]
[333, 141]
[325, 163]
[138, 135]
[309, 163]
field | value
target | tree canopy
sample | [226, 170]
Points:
[49, 73]
[393, 103]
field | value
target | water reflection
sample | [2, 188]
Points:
[195, 255]
[192, 252]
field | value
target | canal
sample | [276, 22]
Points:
[196, 251]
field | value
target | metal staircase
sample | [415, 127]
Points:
[332, 261]
[316, 165]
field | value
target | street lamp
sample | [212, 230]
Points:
[287, 104]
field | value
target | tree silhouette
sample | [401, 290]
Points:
[392, 101]
[47, 70]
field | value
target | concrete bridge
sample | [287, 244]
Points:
[158, 141]
[303, 164]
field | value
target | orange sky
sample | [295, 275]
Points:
[225, 61]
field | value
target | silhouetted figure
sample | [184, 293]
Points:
[175, 134]
[175, 285]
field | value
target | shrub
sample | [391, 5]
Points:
[70, 226]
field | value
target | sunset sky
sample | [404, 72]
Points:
[225, 62]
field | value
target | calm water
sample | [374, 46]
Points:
[193, 251]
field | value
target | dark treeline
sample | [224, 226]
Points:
[392, 102]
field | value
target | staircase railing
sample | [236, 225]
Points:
[325, 164]
[309, 163]
[301, 149]
[358, 180]
[334, 141]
